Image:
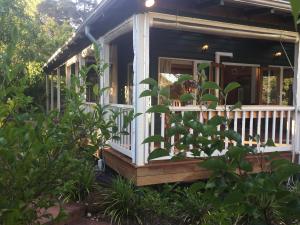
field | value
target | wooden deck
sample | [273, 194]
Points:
[166, 171]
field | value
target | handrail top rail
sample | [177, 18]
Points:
[244, 108]
[121, 106]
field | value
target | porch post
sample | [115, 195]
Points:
[104, 80]
[68, 76]
[77, 72]
[47, 93]
[296, 95]
[141, 72]
[81, 63]
[52, 92]
[58, 88]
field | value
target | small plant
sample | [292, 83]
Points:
[122, 203]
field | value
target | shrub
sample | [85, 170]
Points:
[122, 203]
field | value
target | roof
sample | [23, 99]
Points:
[110, 13]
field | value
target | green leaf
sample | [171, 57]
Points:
[158, 109]
[237, 105]
[147, 93]
[187, 97]
[149, 81]
[165, 92]
[270, 143]
[203, 66]
[295, 5]
[209, 97]
[231, 86]
[157, 153]
[210, 85]
[217, 120]
[155, 138]
[96, 89]
[215, 164]
[184, 77]
[213, 105]
[232, 135]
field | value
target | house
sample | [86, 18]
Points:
[252, 42]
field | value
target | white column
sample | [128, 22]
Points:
[141, 72]
[52, 92]
[296, 95]
[47, 93]
[58, 88]
[77, 68]
[104, 80]
[81, 62]
[106, 75]
[68, 76]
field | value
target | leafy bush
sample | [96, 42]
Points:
[46, 159]
[232, 190]
[122, 203]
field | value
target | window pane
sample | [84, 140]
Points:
[170, 71]
[270, 86]
[287, 87]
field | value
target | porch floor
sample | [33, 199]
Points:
[166, 171]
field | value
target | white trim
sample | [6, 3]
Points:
[58, 89]
[121, 29]
[167, 21]
[72, 60]
[121, 149]
[52, 93]
[240, 64]
[141, 28]
[277, 4]
[47, 93]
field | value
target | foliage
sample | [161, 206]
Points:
[46, 159]
[295, 4]
[233, 192]
[122, 203]
[73, 12]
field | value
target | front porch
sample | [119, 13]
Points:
[162, 46]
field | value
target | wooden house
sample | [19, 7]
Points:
[253, 42]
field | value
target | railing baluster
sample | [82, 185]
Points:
[162, 129]
[266, 126]
[258, 127]
[243, 126]
[274, 126]
[226, 128]
[152, 130]
[219, 114]
[251, 129]
[288, 127]
[235, 124]
[281, 127]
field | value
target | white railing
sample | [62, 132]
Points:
[123, 143]
[269, 122]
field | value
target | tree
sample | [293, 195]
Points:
[295, 4]
[73, 11]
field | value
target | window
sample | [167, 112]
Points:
[270, 86]
[129, 85]
[169, 72]
[246, 76]
[92, 81]
[287, 86]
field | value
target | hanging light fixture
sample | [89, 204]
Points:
[278, 54]
[149, 3]
[205, 47]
